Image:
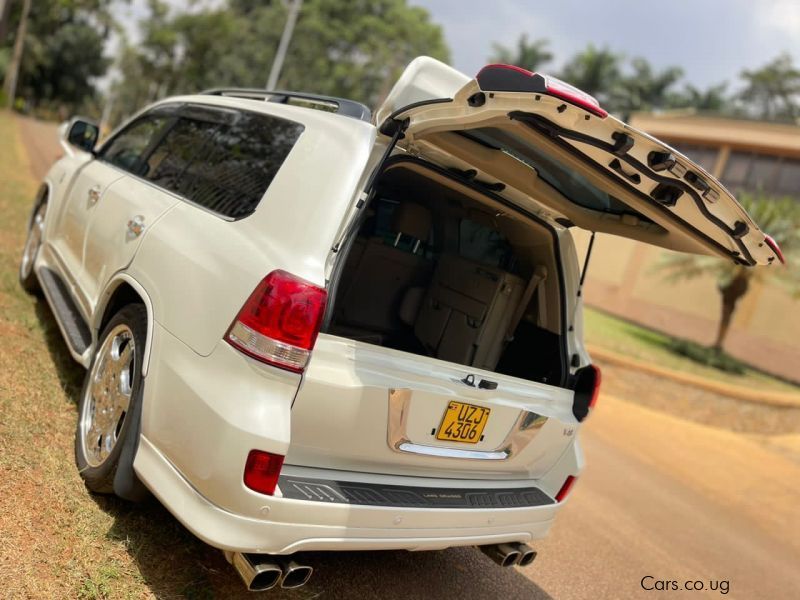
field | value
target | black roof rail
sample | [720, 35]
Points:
[342, 106]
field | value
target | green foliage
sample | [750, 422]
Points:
[772, 91]
[529, 55]
[354, 49]
[710, 357]
[63, 51]
[779, 217]
[596, 71]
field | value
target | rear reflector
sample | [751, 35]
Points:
[510, 78]
[280, 321]
[565, 489]
[587, 389]
[261, 471]
[775, 248]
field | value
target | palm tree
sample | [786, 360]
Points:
[528, 55]
[773, 89]
[779, 217]
[596, 71]
[712, 99]
[645, 88]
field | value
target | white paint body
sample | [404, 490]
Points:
[206, 405]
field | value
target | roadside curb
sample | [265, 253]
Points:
[781, 399]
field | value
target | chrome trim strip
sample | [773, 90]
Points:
[451, 452]
[522, 433]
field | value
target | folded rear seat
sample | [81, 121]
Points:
[467, 310]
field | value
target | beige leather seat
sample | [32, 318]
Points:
[466, 312]
[385, 271]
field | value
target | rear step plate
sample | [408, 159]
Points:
[369, 494]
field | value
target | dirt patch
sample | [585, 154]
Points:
[698, 405]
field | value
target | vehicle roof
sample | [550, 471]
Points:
[298, 113]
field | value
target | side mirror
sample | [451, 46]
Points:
[82, 134]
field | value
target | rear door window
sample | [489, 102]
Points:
[224, 164]
[126, 149]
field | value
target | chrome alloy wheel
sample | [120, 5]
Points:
[33, 242]
[108, 395]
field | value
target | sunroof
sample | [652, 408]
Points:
[571, 183]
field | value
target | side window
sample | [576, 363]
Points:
[168, 162]
[235, 169]
[127, 148]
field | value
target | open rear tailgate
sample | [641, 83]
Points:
[551, 147]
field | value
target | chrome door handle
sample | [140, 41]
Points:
[136, 226]
[94, 194]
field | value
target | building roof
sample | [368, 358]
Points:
[709, 129]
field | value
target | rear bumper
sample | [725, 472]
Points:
[203, 414]
[290, 525]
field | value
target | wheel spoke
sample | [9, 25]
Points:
[108, 395]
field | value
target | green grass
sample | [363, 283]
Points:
[632, 340]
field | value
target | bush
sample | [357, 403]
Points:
[709, 357]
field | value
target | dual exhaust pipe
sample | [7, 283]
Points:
[510, 554]
[261, 572]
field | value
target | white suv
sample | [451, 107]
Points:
[306, 329]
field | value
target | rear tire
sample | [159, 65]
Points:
[109, 411]
[33, 243]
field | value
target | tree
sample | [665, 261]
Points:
[528, 55]
[645, 88]
[355, 49]
[713, 98]
[779, 217]
[63, 49]
[772, 91]
[596, 72]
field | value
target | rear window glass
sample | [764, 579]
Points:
[226, 165]
[569, 182]
[484, 245]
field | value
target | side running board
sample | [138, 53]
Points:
[75, 330]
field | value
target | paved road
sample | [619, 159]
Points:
[661, 497]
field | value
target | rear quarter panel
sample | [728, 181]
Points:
[199, 268]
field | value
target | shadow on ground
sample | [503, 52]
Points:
[174, 563]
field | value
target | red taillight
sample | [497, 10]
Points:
[565, 489]
[598, 379]
[773, 245]
[565, 91]
[510, 78]
[587, 390]
[261, 471]
[280, 321]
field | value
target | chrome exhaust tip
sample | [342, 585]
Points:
[526, 554]
[505, 555]
[258, 572]
[294, 574]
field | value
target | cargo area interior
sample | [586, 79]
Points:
[439, 268]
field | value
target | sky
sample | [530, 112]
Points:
[711, 40]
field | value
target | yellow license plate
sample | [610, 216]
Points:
[463, 423]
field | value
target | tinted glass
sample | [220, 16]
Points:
[762, 172]
[789, 177]
[705, 156]
[736, 169]
[568, 181]
[484, 245]
[185, 142]
[233, 170]
[129, 146]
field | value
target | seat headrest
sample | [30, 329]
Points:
[412, 219]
